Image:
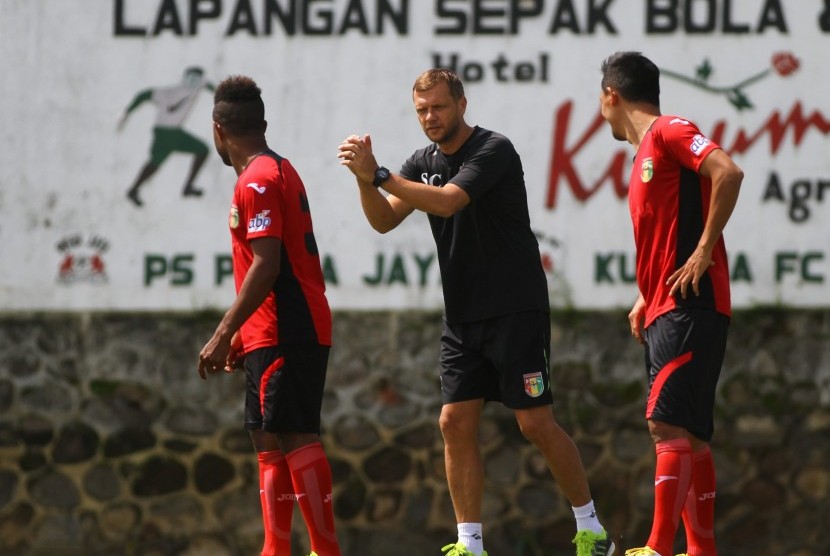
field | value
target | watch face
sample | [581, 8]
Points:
[381, 175]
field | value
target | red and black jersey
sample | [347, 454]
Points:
[669, 202]
[270, 200]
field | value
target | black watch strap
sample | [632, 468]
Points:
[381, 175]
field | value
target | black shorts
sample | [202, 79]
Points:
[502, 359]
[285, 388]
[684, 352]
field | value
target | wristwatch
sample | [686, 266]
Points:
[381, 175]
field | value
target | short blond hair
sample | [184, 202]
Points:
[433, 77]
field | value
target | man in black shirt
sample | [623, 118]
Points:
[496, 336]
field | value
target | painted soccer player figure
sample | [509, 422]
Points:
[496, 335]
[173, 104]
[682, 191]
[279, 323]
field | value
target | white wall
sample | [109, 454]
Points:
[70, 68]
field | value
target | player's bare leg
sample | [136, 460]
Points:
[539, 426]
[465, 473]
[462, 458]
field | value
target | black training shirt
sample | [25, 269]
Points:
[488, 255]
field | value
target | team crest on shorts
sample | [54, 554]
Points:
[534, 384]
[647, 170]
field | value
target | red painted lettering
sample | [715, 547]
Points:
[776, 128]
[562, 161]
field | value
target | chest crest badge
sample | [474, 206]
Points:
[647, 170]
[233, 218]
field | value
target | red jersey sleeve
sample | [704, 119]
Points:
[686, 144]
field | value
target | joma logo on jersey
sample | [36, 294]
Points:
[699, 142]
[534, 385]
[259, 222]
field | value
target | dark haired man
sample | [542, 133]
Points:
[682, 191]
[496, 338]
[279, 323]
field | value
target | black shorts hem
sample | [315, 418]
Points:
[678, 423]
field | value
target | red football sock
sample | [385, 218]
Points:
[311, 474]
[671, 484]
[699, 511]
[276, 492]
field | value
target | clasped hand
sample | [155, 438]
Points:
[355, 153]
